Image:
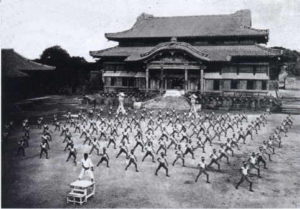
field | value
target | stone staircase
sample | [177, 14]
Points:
[167, 102]
[290, 105]
[173, 93]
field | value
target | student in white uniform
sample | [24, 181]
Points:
[87, 167]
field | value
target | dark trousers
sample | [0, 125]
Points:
[199, 174]
[163, 148]
[94, 147]
[188, 150]
[177, 158]
[103, 159]
[261, 159]
[111, 141]
[21, 149]
[44, 151]
[224, 155]
[162, 165]
[122, 151]
[214, 161]
[244, 178]
[131, 161]
[77, 128]
[139, 144]
[148, 153]
[256, 168]
[72, 154]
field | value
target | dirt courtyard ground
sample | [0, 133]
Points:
[33, 182]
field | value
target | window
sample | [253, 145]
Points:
[254, 70]
[234, 84]
[124, 82]
[250, 84]
[130, 81]
[216, 84]
[113, 81]
[264, 85]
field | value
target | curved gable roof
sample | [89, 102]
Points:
[148, 26]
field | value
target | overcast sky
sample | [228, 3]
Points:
[30, 26]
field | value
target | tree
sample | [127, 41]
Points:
[55, 56]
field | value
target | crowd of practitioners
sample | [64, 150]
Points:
[264, 153]
[162, 137]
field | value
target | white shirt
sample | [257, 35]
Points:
[244, 170]
[202, 165]
[87, 163]
[252, 159]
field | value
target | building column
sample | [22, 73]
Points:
[161, 86]
[185, 79]
[202, 80]
[147, 79]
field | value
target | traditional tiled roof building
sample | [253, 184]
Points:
[210, 53]
[22, 77]
[15, 65]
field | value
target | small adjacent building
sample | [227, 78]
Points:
[207, 53]
[22, 77]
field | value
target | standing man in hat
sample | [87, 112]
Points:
[193, 109]
[121, 108]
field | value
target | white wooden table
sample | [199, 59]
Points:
[81, 190]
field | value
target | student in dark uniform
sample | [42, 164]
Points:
[179, 155]
[104, 157]
[245, 176]
[132, 160]
[45, 138]
[72, 153]
[252, 163]
[21, 147]
[149, 151]
[87, 137]
[44, 149]
[223, 153]
[123, 149]
[200, 144]
[214, 159]
[111, 140]
[189, 149]
[69, 143]
[77, 127]
[57, 126]
[139, 142]
[162, 145]
[228, 146]
[95, 145]
[260, 158]
[163, 163]
[202, 169]
[64, 130]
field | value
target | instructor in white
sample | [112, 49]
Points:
[87, 167]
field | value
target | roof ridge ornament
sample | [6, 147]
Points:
[176, 45]
[174, 39]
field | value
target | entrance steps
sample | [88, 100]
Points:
[173, 93]
[167, 102]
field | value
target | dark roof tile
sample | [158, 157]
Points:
[13, 64]
[148, 26]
